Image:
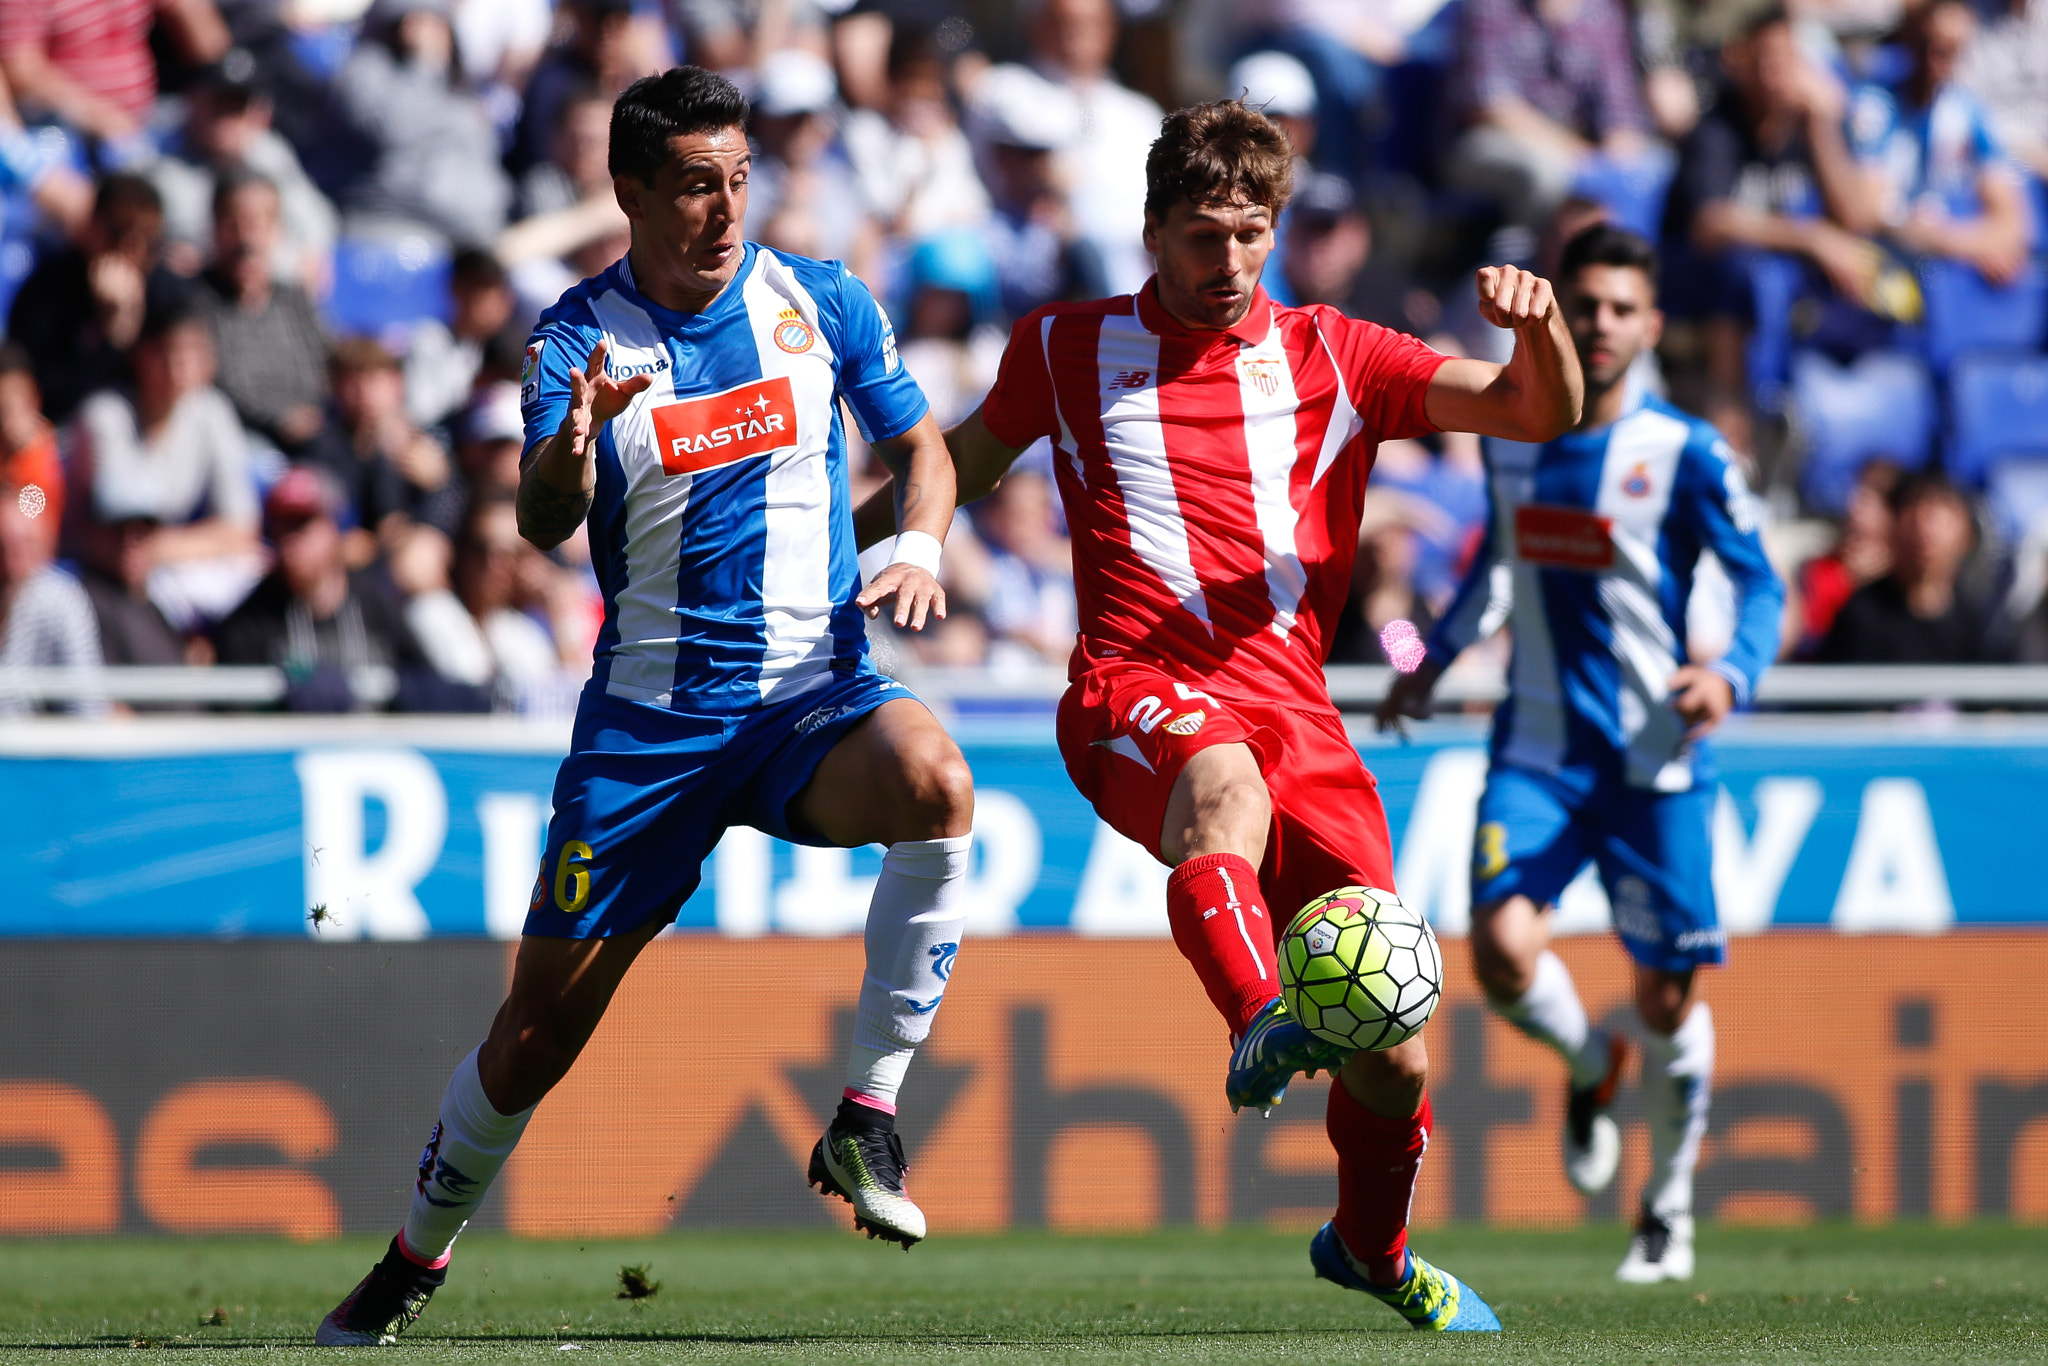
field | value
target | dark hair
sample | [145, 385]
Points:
[232, 183]
[354, 355]
[1604, 244]
[1925, 486]
[475, 268]
[1772, 16]
[168, 316]
[126, 191]
[1216, 153]
[680, 101]
[15, 359]
[912, 46]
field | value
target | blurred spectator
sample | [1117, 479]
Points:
[1030, 604]
[1862, 555]
[87, 63]
[2006, 66]
[566, 206]
[1918, 613]
[37, 165]
[499, 42]
[171, 449]
[323, 624]
[574, 168]
[442, 363]
[1022, 123]
[227, 131]
[1327, 257]
[803, 192]
[271, 348]
[421, 152]
[1934, 176]
[29, 456]
[1767, 169]
[493, 438]
[388, 470]
[599, 53]
[45, 619]
[1550, 89]
[951, 342]
[730, 35]
[1382, 591]
[1282, 87]
[1072, 42]
[1439, 499]
[473, 631]
[117, 560]
[915, 169]
[81, 309]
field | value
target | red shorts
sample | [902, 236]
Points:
[1126, 730]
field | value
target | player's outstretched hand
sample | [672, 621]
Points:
[1408, 697]
[916, 592]
[1512, 297]
[1701, 698]
[595, 398]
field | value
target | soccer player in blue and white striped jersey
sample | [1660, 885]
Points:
[1599, 753]
[687, 402]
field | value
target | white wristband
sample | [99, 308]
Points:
[919, 548]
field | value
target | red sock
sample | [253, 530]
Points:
[1220, 925]
[1377, 1162]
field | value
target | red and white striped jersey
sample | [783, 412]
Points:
[1213, 481]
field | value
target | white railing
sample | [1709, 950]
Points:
[1354, 687]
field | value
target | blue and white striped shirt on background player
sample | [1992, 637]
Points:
[722, 527]
[1590, 552]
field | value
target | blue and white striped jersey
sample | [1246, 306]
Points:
[722, 530]
[1590, 551]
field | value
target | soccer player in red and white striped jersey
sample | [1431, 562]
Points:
[1212, 451]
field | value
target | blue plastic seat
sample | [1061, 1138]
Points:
[1881, 404]
[1998, 410]
[1776, 283]
[1965, 312]
[382, 285]
[2017, 494]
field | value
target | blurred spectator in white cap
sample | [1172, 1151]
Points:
[803, 193]
[1071, 44]
[916, 170]
[87, 63]
[498, 43]
[422, 152]
[227, 129]
[46, 620]
[1021, 123]
[1280, 86]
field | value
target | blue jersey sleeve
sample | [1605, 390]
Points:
[885, 400]
[1483, 599]
[558, 347]
[1728, 520]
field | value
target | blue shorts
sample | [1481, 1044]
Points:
[646, 792]
[1654, 851]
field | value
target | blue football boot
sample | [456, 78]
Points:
[1275, 1046]
[1431, 1299]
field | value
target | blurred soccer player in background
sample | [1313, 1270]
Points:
[686, 400]
[1598, 753]
[1212, 450]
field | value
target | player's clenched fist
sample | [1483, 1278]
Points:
[1512, 297]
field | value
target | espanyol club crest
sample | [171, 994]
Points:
[1263, 372]
[792, 333]
[1637, 485]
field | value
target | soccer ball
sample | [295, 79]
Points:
[1360, 969]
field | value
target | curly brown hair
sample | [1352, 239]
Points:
[1218, 153]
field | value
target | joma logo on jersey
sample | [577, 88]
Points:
[703, 433]
[1130, 379]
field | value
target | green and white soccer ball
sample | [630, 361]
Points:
[1360, 969]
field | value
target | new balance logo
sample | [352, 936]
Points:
[1130, 379]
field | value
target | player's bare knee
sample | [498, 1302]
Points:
[1231, 813]
[1663, 999]
[1504, 949]
[940, 793]
[1390, 1082]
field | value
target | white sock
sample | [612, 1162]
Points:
[1678, 1077]
[913, 934]
[470, 1142]
[1551, 1013]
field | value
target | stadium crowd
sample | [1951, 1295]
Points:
[268, 268]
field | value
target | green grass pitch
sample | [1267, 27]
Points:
[1833, 1293]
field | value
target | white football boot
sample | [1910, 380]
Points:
[1592, 1140]
[1660, 1251]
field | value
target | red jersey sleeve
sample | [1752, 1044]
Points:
[1019, 409]
[1386, 373]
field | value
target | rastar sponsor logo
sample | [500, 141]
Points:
[1564, 538]
[701, 433]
